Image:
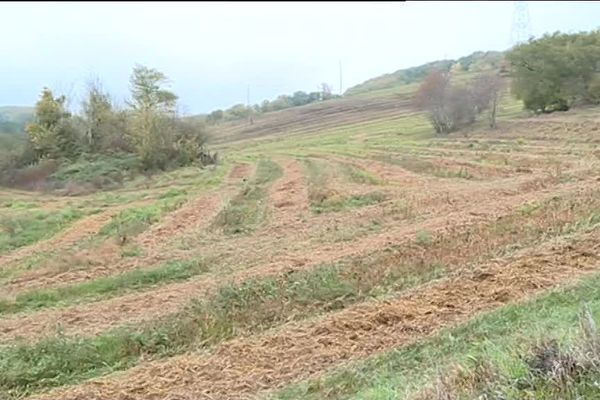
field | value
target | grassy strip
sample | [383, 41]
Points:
[317, 178]
[358, 175]
[248, 209]
[323, 200]
[492, 337]
[18, 204]
[338, 203]
[104, 287]
[249, 307]
[32, 226]
[133, 221]
[262, 303]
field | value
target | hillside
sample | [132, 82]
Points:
[338, 250]
[382, 98]
[478, 61]
[16, 113]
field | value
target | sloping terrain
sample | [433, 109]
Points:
[330, 233]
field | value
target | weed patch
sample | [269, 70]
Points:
[248, 209]
[31, 226]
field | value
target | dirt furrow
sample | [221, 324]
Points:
[197, 213]
[93, 318]
[240, 368]
[288, 196]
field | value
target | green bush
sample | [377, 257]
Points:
[97, 169]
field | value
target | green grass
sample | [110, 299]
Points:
[338, 203]
[323, 199]
[423, 238]
[55, 362]
[98, 170]
[187, 179]
[248, 210]
[548, 367]
[20, 204]
[192, 178]
[317, 172]
[28, 227]
[345, 139]
[173, 193]
[492, 337]
[348, 232]
[102, 288]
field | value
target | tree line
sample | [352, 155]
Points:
[148, 127]
[557, 72]
[299, 98]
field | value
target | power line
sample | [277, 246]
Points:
[250, 118]
[340, 77]
[521, 24]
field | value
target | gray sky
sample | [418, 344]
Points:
[213, 51]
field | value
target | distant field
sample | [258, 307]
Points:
[340, 250]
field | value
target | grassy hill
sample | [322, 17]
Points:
[382, 98]
[19, 114]
[475, 62]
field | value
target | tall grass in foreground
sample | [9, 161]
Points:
[502, 354]
[547, 369]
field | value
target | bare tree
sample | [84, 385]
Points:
[450, 107]
[486, 94]
[459, 106]
[432, 97]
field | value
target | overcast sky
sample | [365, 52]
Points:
[213, 51]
